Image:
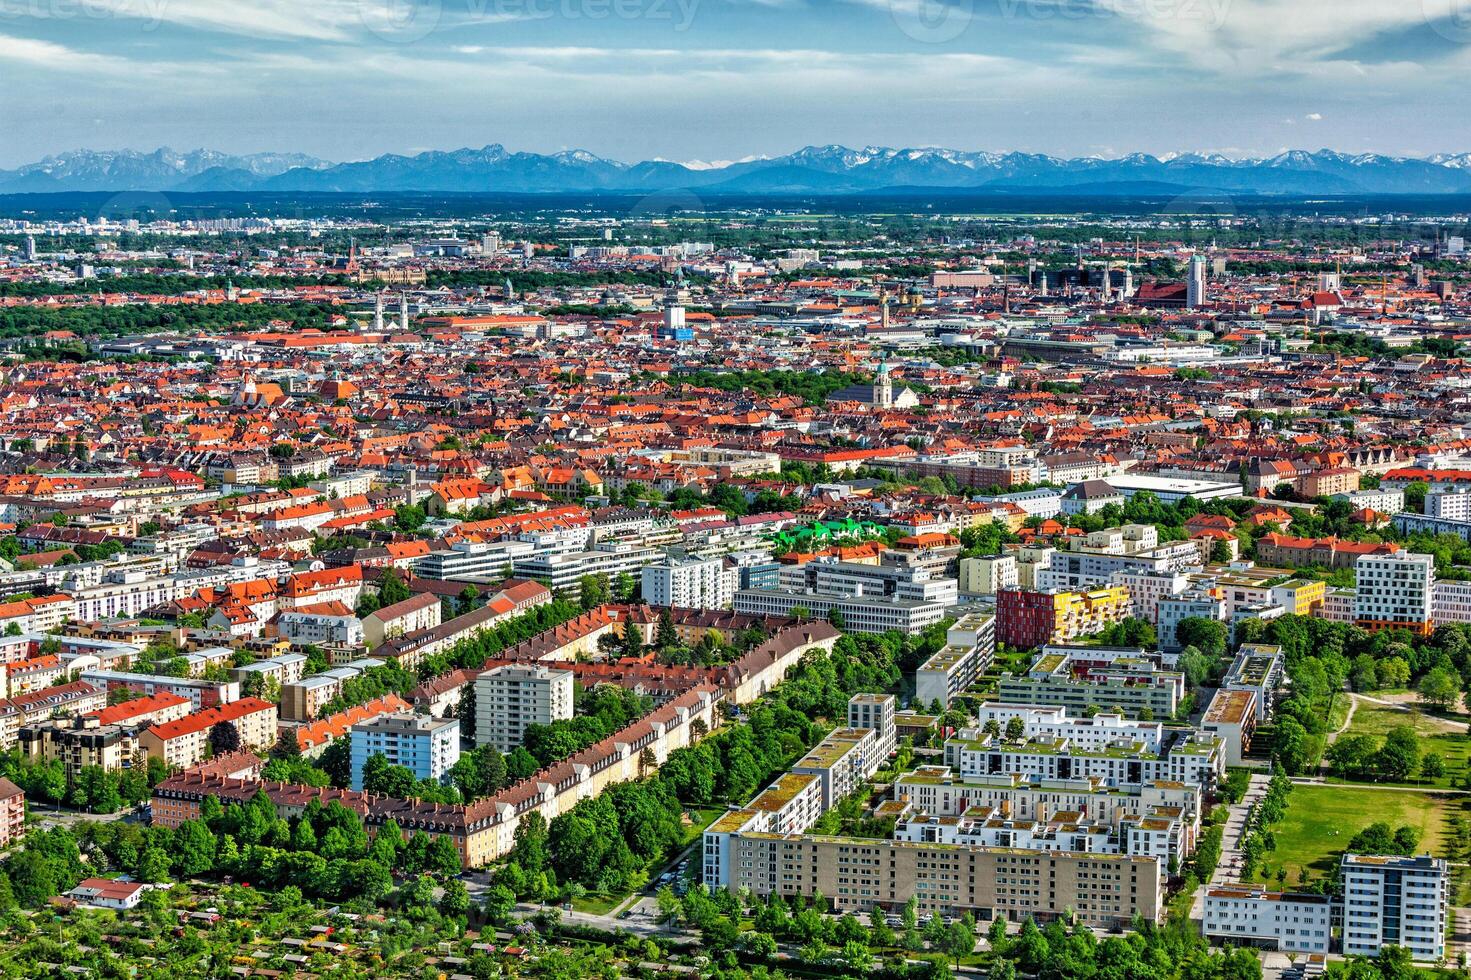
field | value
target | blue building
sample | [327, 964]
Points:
[426, 746]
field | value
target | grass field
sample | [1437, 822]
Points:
[1321, 820]
[1437, 737]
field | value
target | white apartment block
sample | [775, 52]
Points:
[1381, 501]
[1452, 602]
[690, 583]
[970, 646]
[788, 806]
[875, 711]
[1285, 921]
[509, 698]
[1452, 505]
[304, 627]
[1171, 610]
[1394, 590]
[1147, 587]
[1399, 901]
[988, 574]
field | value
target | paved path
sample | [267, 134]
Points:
[1317, 781]
[1227, 868]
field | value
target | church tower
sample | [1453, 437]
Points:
[883, 386]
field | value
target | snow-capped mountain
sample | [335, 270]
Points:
[830, 169]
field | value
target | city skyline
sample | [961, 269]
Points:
[683, 79]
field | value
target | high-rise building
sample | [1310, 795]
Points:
[1394, 901]
[509, 698]
[1394, 591]
[682, 582]
[426, 746]
[30, 249]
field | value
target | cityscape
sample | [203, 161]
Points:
[917, 490]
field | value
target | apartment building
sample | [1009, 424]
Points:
[426, 746]
[1172, 610]
[324, 624]
[419, 612]
[1450, 505]
[200, 693]
[79, 743]
[1101, 678]
[938, 790]
[683, 582]
[1029, 618]
[841, 763]
[1249, 915]
[563, 572]
[12, 813]
[185, 742]
[1102, 890]
[876, 712]
[987, 574]
[970, 646]
[1395, 592]
[1394, 901]
[287, 668]
[507, 699]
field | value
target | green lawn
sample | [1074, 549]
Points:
[1321, 820]
[1435, 738]
[597, 904]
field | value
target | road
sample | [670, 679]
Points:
[1235, 832]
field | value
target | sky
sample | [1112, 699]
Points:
[719, 80]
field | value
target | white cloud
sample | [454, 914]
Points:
[57, 57]
[1315, 116]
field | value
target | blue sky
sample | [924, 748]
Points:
[724, 79]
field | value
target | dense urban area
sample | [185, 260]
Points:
[753, 593]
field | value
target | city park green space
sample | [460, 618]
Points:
[1322, 819]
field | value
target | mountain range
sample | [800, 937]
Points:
[812, 170]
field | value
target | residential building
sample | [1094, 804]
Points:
[684, 582]
[1101, 678]
[987, 574]
[1027, 618]
[426, 746]
[970, 646]
[1249, 915]
[419, 612]
[1395, 592]
[185, 742]
[507, 699]
[1394, 901]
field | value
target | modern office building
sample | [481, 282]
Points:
[861, 614]
[426, 746]
[509, 698]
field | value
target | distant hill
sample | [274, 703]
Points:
[813, 169]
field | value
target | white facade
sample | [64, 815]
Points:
[1397, 901]
[1452, 602]
[1292, 923]
[1453, 505]
[509, 698]
[690, 583]
[1394, 589]
[988, 574]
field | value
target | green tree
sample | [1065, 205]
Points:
[1441, 688]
